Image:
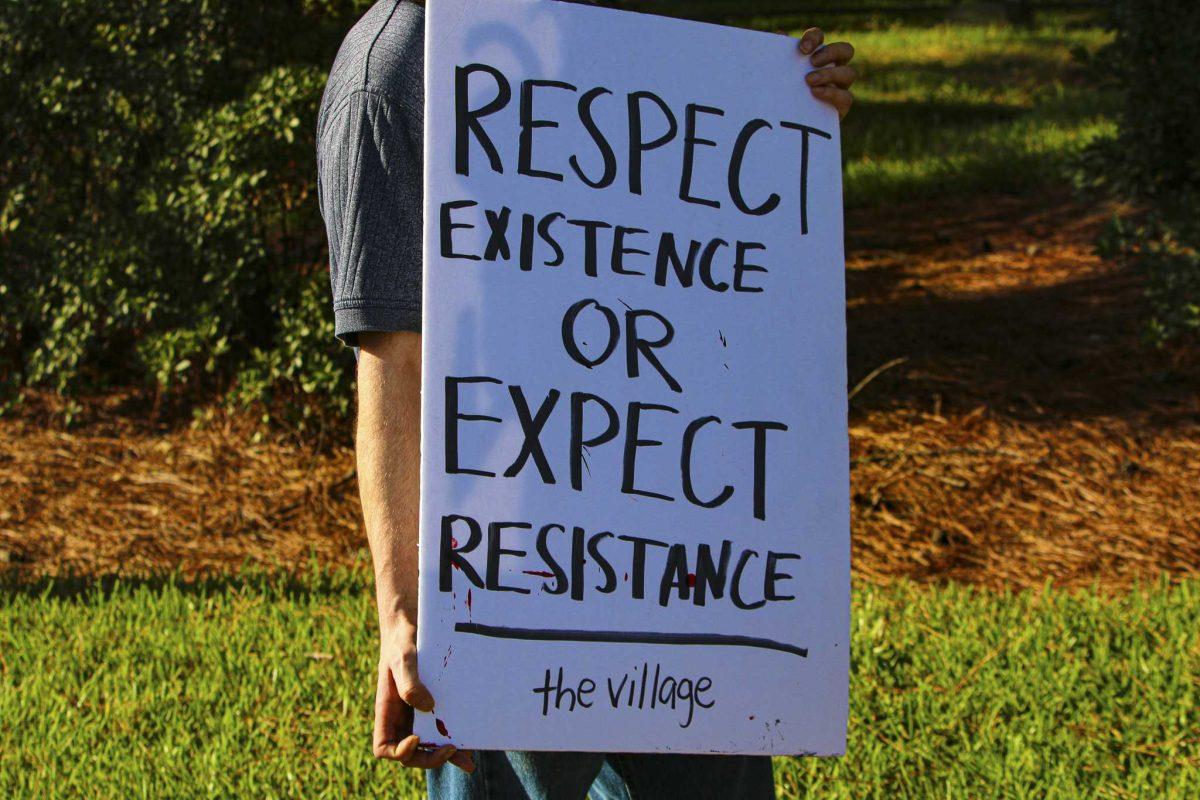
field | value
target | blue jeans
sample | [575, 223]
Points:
[575, 776]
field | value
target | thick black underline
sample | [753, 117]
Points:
[628, 637]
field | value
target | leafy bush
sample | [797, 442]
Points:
[157, 213]
[1154, 161]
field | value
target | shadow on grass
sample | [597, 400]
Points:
[253, 579]
[1071, 350]
[986, 72]
[922, 115]
[899, 150]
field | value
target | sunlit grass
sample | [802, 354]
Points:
[260, 687]
[960, 109]
[255, 687]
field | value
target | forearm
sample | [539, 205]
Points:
[388, 454]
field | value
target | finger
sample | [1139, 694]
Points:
[418, 760]
[408, 683]
[406, 748]
[810, 40]
[836, 53]
[398, 751]
[842, 77]
[464, 761]
[414, 693]
[425, 760]
[393, 717]
[841, 99]
[443, 754]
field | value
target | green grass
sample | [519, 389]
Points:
[258, 687]
[957, 109]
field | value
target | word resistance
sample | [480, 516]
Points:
[570, 561]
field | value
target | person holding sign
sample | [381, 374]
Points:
[370, 145]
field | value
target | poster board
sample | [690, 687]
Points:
[635, 505]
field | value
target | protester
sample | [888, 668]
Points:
[370, 144]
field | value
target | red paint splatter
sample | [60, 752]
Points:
[691, 579]
[455, 565]
[540, 573]
[454, 542]
[441, 726]
[468, 600]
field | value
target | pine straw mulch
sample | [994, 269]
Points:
[1007, 428]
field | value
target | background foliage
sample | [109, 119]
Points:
[158, 220]
[158, 223]
[1154, 160]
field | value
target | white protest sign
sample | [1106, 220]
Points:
[634, 487]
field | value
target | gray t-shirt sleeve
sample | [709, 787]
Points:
[369, 165]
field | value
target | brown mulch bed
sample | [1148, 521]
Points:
[1008, 428]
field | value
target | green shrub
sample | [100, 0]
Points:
[157, 197]
[1154, 161]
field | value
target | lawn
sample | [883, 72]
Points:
[957, 109]
[261, 687]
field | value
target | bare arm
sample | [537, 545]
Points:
[388, 448]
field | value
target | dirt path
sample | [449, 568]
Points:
[1010, 429]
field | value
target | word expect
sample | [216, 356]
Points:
[583, 408]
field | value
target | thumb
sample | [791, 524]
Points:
[408, 683]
